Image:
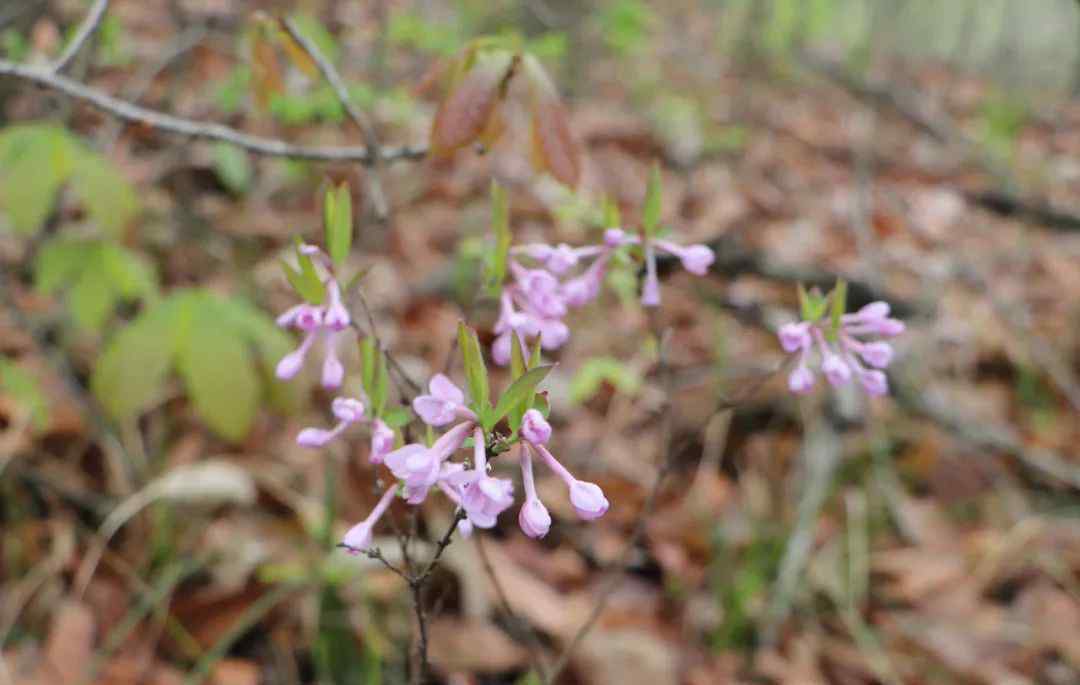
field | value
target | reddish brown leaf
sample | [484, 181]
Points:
[466, 111]
[553, 147]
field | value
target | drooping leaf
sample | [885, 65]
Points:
[519, 392]
[465, 112]
[475, 369]
[650, 210]
[553, 146]
[233, 167]
[219, 373]
[130, 374]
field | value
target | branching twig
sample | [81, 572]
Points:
[200, 129]
[371, 138]
[86, 29]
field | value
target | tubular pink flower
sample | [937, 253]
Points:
[533, 518]
[482, 497]
[347, 410]
[561, 259]
[583, 289]
[874, 382]
[359, 537]
[695, 258]
[540, 290]
[795, 336]
[587, 498]
[876, 354]
[553, 333]
[336, 317]
[291, 363]
[382, 441]
[444, 403]
[535, 428]
[333, 371]
[801, 380]
[616, 237]
[420, 466]
[650, 291]
[836, 371]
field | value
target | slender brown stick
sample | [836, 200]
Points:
[199, 129]
[371, 138]
[86, 29]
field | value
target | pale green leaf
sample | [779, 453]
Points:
[650, 212]
[91, 299]
[475, 369]
[109, 199]
[58, 263]
[233, 167]
[519, 392]
[130, 374]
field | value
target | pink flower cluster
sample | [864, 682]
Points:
[480, 495]
[326, 321]
[849, 355]
[536, 302]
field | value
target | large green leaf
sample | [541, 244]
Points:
[475, 369]
[58, 263]
[91, 299]
[219, 373]
[130, 374]
[35, 167]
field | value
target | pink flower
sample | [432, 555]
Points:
[327, 322]
[587, 498]
[695, 258]
[482, 497]
[359, 537]
[444, 403]
[535, 428]
[533, 518]
[382, 441]
[420, 466]
[843, 357]
[347, 410]
[583, 289]
[650, 291]
[540, 289]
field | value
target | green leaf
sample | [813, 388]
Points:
[131, 275]
[650, 211]
[517, 358]
[367, 363]
[396, 417]
[500, 224]
[109, 199]
[233, 167]
[519, 392]
[381, 384]
[219, 373]
[92, 298]
[337, 222]
[37, 165]
[534, 358]
[611, 214]
[58, 263]
[475, 369]
[838, 299]
[130, 374]
[305, 280]
[22, 387]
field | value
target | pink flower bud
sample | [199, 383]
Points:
[836, 371]
[616, 237]
[535, 428]
[315, 437]
[697, 259]
[650, 291]
[534, 518]
[877, 354]
[347, 409]
[874, 382]
[333, 371]
[801, 380]
[795, 336]
[358, 539]
[291, 363]
[382, 441]
[588, 500]
[561, 259]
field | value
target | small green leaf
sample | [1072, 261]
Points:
[381, 384]
[611, 214]
[519, 392]
[534, 358]
[500, 225]
[219, 374]
[131, 275]
[396, 417]
[650, 211]
[838, 299]
[475, 369]
[305, 281]
[337, 222]
[29, 183]
[517, 358]
[233, 167]
[367, 364]
[130, 374]
[109, 198]
[598, 370]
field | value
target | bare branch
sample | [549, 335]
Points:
[86, 29]
[197, 129]
[371, 138]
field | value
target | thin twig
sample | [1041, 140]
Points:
[371, 138]
[521, 626]
[414, 388]
[440, 548]
[375, 553]
[199, 129]
[86, 29]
